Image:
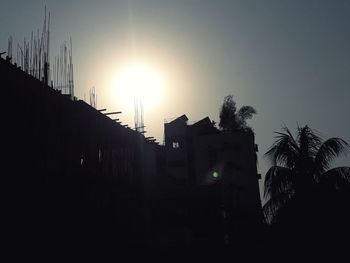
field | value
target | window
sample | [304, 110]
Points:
[82, 160]
[99, 155]
[176, 145]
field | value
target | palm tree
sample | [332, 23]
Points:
[231, 120]
[301, 166]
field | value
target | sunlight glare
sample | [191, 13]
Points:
[139, 80]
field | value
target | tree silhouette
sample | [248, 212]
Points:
[301, 165]
[231, 120]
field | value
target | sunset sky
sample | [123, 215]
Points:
[289, 59]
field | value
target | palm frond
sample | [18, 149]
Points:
[278, 180]
[330, 149]
[246, 112]
[272, 206]
[228, 120]
[309, 142]
[284, 150]
[337, 178]
[298, 170]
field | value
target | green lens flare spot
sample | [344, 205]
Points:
[215, 174]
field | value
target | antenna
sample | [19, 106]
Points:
[71, 77]
[138, 119]
[136, 111]
[142, 125]
[9, 48]
[93, 98]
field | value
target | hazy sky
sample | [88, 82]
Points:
[288, 59]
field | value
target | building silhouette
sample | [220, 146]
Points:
[221, 170]
[71, 171]
[75, 174]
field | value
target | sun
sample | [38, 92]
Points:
[139, 80]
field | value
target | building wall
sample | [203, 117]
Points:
[221, 169]
[176, 147]
[70, 170]
[233, 157]
[229, 160]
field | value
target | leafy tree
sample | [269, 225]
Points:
[230, 119]
[301, 167]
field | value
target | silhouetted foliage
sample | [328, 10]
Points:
[301, 169]
[230, 119]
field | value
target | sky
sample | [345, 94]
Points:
[289, 59]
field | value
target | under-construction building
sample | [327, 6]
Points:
[72, 172]
[69, 169]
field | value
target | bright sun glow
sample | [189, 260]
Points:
[139, 80]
